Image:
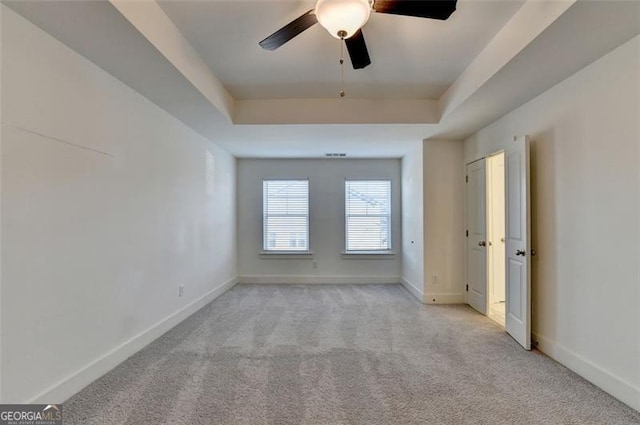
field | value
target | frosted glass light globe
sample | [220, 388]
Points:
[342, 15]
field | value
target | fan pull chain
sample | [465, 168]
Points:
[341, 66]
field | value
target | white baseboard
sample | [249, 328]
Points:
[69, 386]
[445, 298]
[413, 289]
[619, 388]
[318, 279]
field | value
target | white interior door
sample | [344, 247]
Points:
[518, 245]
[476, 236]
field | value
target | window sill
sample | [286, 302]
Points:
[287, 255]
[368, 255]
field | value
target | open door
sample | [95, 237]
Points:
[476, 236]
[518, 244]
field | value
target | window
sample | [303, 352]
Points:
[368, 215]
[285, 215]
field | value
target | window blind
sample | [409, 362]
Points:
[285, 207]
[368, 215]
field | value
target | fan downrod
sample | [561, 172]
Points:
[342, 34]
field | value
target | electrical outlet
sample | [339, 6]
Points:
[315, 264]
[180, 290]
[434, 279]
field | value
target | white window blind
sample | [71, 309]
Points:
[285, 215]
[368, 215]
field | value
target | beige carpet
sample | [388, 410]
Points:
[340, 354]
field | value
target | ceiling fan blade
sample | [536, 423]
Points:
[434, 9]
[358, 50]
[289, 31]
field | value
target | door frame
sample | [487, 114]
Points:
[466, 226]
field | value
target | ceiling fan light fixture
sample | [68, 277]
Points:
[343, 18]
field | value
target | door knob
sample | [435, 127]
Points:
[520, 252]
[482, 243]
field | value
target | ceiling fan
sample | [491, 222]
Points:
[344, 20]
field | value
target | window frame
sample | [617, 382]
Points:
[369, 252]
[274, 253]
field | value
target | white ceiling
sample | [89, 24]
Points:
[411, 57]
[489, 58]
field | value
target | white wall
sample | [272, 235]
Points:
[412, 222]
[107, 207]
[585, 219]
[433, 221]
[496, 253]
[443, 222]
[326, 210]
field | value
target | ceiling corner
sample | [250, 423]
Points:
[152, 22]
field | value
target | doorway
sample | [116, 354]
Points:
[498, 248]
[496, 253]
[486, 254]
